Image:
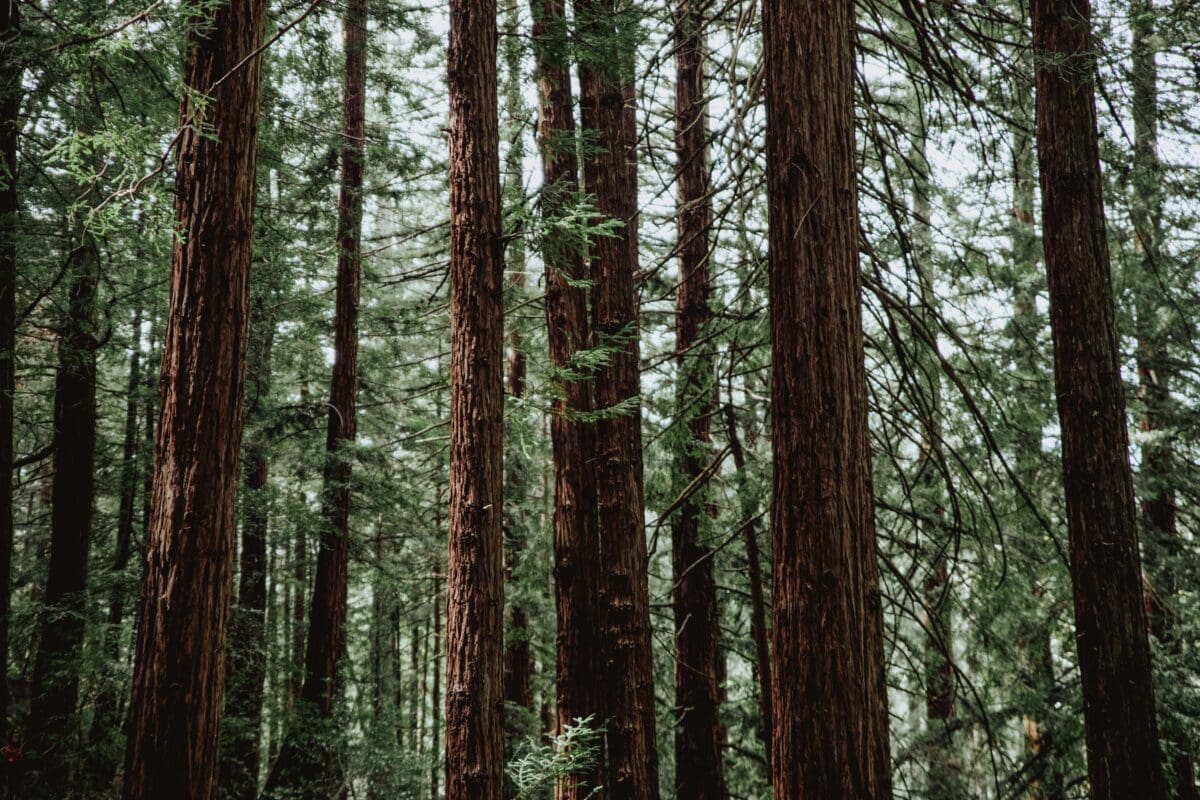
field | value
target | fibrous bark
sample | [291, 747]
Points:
[831, 735]
[1124, 759]
[179, 671]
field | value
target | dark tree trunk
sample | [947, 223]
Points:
[828, 637]
[53, 736]
[435, 706]
[1159, 470]
[475, 578]
[106, 715]
[610, 175]
[248, 643]
[758, 604]
[576, 546]
[10, 123]
[179, 672]
[295, 666]
[316, 771]
[1124, 759]
[698, 663]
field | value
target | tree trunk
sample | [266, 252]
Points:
[179, 672]
[53, 735]
[828, 637]
[698, 667]
[106, 716]
[475, 577]
[610, 175]
[10, 124]
[436, 760]
[1124, 759]
[1158, 472]
[758, 604]
[249, 645]
[316, 771]
[576, 546]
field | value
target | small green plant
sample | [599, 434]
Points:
[542, 763]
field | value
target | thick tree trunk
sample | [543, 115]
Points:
[698, 665]
[179, 672]
[576, 546]
[53, 735]
[303, 769]
[475, 575]
[610, 175]
[248, 643]
[10, 123]
[831, 735]
[1124, 759]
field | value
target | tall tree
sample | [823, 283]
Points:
[1155, 371]
[576, 546]
[607, 29]
[179, 670]
[1123, 753]
[828, 640]
[302, 768]
[475, 574]
[53, 724]
[698, 660]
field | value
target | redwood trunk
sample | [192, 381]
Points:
[698, 666]
[179, 672]
[313, 768]
[831, 735]
[1124, 759]
[53, 725]
[576, 546]
[475, 575]
[610, 176]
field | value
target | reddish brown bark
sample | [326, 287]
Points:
[475, 574]
[307, 766]
[831, 735]
[53, 725]
[10, 105]
[1124, 759]
[576, 546]
[179, 671]
[610, 176]
[698, 665]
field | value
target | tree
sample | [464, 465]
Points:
[1110, 624]
[606, 28]
[475, 568]
[10, 106]
[179, 670]
[699, 664]
[305, 766]
[825, 574]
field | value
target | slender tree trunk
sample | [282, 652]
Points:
[475, 578]
[698, 665]
[10, 123]
[53, 735]
[828, 637]
[1124, 759]
[179, 672]
[1155, 373]
[249, 645]
[437, 762]
[316, 772]
[106, 715]
[518, 697]
[758, 604]
[576, 546]
[295, 668]
[610, 175]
